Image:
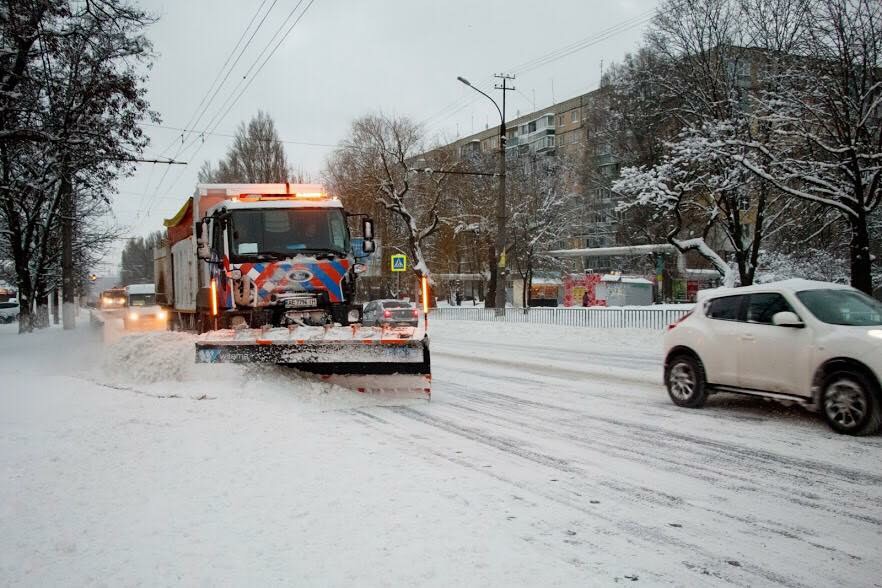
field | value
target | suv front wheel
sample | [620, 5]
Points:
[850, 403]
[685, 381]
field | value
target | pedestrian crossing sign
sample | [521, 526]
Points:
[399, 262]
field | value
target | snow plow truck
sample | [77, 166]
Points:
[266, 273]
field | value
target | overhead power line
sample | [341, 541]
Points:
[232, 136]
[202, 110]
[236, 94]
[545, 59]
[199, 110]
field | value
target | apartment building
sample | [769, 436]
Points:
[564, 129]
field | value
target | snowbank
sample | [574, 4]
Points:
[151, 357]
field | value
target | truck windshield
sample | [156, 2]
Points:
[142, 299]
[287, 232]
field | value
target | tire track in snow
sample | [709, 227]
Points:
[719, 478]
[658, 448]
[661, 434]
[653, 536]
[556, 370]
[576, 356]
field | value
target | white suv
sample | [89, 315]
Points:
[815, 343]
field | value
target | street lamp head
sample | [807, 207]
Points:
[463, 80]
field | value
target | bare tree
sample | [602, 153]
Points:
[70, 103]
[825, 112]
[543, 202]
[256, 156]
[380, 162]
[705, 82]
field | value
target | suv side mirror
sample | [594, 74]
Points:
[787, 319]
[367, 229]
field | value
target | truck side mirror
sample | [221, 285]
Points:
[203, 251]
[367, 229]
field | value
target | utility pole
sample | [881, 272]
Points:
[68, 212]
[68, 318]
[501, 234]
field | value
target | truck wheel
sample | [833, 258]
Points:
[685, 380]
[850, 403]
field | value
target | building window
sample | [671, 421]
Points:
[574, 116]
[560, 120]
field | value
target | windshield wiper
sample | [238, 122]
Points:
[319, 253]
[262, 255]
[278, 255]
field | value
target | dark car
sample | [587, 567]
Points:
[392, 313]
[9, 311]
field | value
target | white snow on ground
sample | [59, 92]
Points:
[548, 456]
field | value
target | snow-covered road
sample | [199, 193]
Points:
[547, 456]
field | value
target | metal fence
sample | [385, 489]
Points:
[604, 318]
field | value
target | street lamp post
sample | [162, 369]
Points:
[500, 198]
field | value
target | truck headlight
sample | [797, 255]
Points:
[162, 315]
[354, 316]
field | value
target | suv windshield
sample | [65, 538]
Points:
[284, 232]
[842, 307]
[142, 299]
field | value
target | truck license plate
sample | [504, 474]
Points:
[303, 302]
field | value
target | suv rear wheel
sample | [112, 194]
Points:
[685, 381]
[850, 403]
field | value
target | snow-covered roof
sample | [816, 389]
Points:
[237, 189]
[624, 279]
[141, 289]
[625, 250]
[792, 285]
[277, 204]
[538, 281]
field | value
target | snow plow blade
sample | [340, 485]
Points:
[393, 363]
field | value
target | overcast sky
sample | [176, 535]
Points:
[346, 58]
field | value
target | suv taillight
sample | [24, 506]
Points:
[387, 313]
[416, 313]
[679, 320]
